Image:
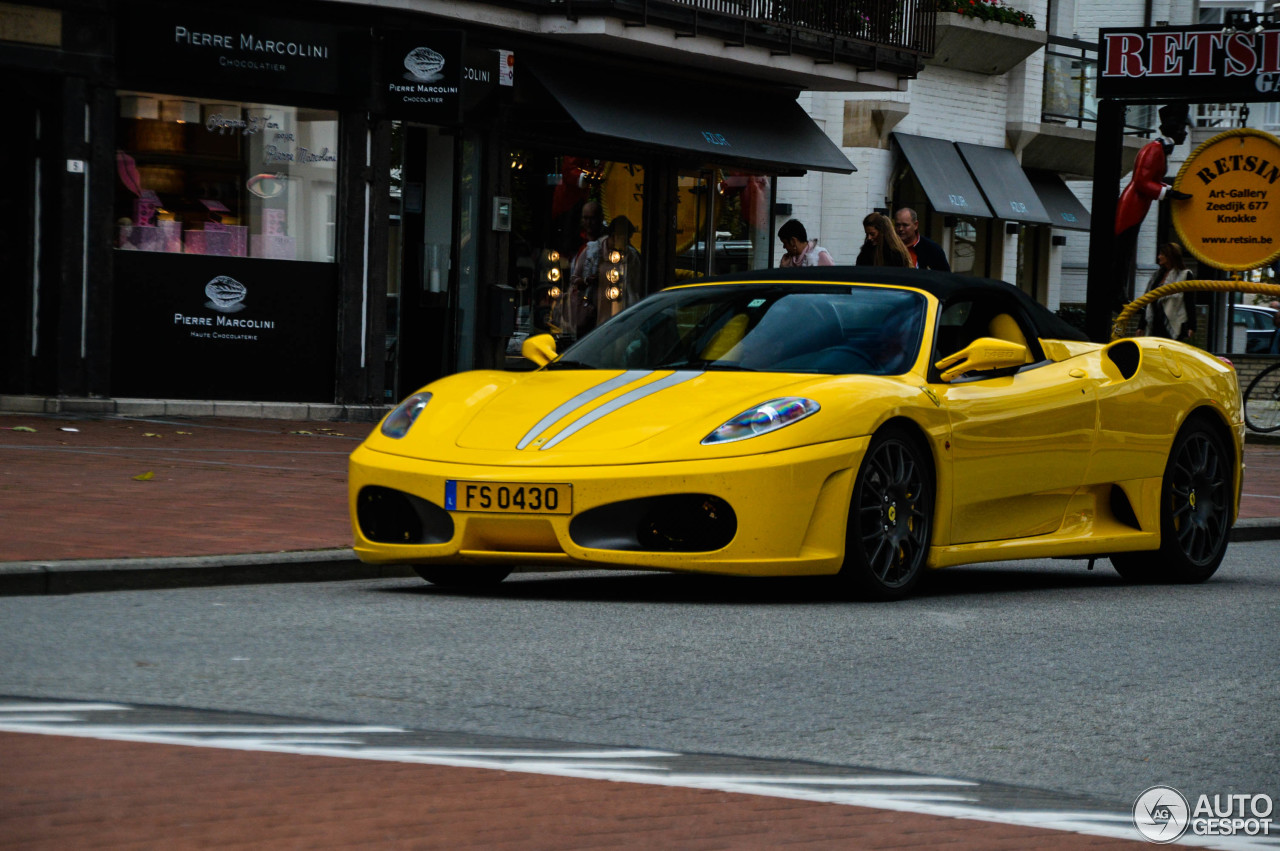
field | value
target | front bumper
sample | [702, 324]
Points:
[791, 508]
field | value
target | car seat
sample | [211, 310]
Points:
[1004, 327]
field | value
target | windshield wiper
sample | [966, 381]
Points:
[569, 364]
[717, 366]
[708, 365]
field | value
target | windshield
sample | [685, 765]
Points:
[760, 328]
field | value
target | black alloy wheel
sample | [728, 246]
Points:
[1195, 512]
[890, 518]
[464, 576]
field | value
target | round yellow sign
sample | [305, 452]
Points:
[1232, 220]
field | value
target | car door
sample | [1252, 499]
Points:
[1021, 439]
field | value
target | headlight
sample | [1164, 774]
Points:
[398, 421]
[763, 418]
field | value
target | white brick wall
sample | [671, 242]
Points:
[958, 105]
[1093, 16]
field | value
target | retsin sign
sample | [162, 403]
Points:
[1232, 219]
[1198, 63]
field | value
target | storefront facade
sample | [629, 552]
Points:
[340, 203]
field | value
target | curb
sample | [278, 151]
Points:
[80, 576]
[28, 578]
[300, 411]
[1256, 529]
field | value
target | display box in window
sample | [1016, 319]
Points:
[273, 243]
[273, 246]
[165, 236]
[221, 240]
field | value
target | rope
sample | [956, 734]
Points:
[1118, 326]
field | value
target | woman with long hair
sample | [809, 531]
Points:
[1173, 316]
[883, 246]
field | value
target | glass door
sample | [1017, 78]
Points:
[577, 243]
[723, 222]
[421, 333]
[21, 216]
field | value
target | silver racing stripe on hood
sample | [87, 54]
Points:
[621, 402]
[583, 398]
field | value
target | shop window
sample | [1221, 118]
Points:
[723, 222]
[1031, 261]
[969, 246]
[576, 242]
[199, 176]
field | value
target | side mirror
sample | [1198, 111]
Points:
[982, 354]
[540, 349]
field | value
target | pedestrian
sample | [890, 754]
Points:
[618, 270]
[577, 311]
[883, 247]
[800, 250]
[1173, 316]
[926, 253]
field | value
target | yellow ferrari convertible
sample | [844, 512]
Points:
[866, 424]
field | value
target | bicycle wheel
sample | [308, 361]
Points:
[1262, 400]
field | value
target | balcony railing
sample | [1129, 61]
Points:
[892, 35]
[1071, 86]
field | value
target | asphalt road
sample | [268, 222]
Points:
[1038, 674]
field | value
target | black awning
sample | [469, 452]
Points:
[1065, 210]
[938, 167]
[761, 129]
[1004, 184]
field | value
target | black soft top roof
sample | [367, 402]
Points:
[945, 286]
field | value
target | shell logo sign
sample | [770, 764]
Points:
[1232, 220]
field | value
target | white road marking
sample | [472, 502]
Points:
[939, 796]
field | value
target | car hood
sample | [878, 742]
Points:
[573, 417]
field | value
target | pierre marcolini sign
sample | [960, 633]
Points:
[250, 43]
[179, 44]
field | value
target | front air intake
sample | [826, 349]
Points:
[388, 516]
[679, 523]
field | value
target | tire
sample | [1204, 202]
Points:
[1195, 512]
[463, 577]
[1262, 401]
[890, 519]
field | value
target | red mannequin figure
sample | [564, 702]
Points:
[1146, 185]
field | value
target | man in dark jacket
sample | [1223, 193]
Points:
[927, 253]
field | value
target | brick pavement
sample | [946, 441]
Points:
[131, 795]
[229, 486]
[217, 486]
[1261, 497]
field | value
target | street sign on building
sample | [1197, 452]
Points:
[1209, 64]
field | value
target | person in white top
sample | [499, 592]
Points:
[800, 250]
